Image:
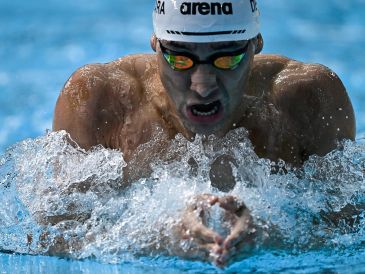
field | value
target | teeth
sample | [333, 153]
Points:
[198, 113]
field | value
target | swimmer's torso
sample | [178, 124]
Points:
[293, 109]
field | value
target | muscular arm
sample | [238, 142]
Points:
[106, 104]
[314, 102]
[85, 111]
[76, 108]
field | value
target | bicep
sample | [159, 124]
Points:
[315, 104]
[335, 120]
[75, 107]
[332, 116]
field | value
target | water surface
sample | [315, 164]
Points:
[43, 42]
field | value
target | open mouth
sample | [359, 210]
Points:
[210, 112]
[206, 109]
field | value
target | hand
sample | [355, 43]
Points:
[203, 241]
[207, 244]
[243, 231]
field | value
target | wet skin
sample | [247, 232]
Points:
[291, 110]
[206, 84]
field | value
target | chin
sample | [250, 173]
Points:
[206, 129]
[213, 124]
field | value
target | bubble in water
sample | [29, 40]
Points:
[53, 190]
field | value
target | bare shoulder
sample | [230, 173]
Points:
[97, 96]
[312, 98]
[293, 80]
[92, 80]
[283, 71]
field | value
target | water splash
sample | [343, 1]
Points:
[53, 191]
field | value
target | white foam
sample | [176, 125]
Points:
[44, 178]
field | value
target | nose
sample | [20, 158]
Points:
[203, 81]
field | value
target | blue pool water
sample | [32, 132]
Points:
[43, 42]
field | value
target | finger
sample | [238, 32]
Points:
[234, 239]
[238, 248]
[232, 204]
[228, 202]
[205, 234]
[207, 199]
[241, 239]
[195, 228]
[213, 200]
[242, 231]
[218, 250]
[222, 260]
[216, 253]
[236, 252]
[202, 202]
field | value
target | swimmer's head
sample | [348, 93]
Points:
[205, 52]
[206, 21]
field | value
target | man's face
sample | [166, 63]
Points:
[206, 98]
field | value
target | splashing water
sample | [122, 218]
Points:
[54, 192]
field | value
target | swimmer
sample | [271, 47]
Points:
[207, 77]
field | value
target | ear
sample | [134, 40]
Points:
[153, 42]
[259, 43]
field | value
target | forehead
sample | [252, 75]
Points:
[208, 46]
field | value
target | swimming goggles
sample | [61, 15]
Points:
[181, 61]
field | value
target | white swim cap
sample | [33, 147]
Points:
[206, 21]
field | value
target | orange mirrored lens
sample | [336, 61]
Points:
[228, 62]
[183, 62]
[179, 62]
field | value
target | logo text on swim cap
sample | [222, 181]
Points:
[253, 5]
[203, 8]
[160, 7]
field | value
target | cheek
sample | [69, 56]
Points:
[173, 83]
[238, 78]
[172, 80]
[233, 80]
